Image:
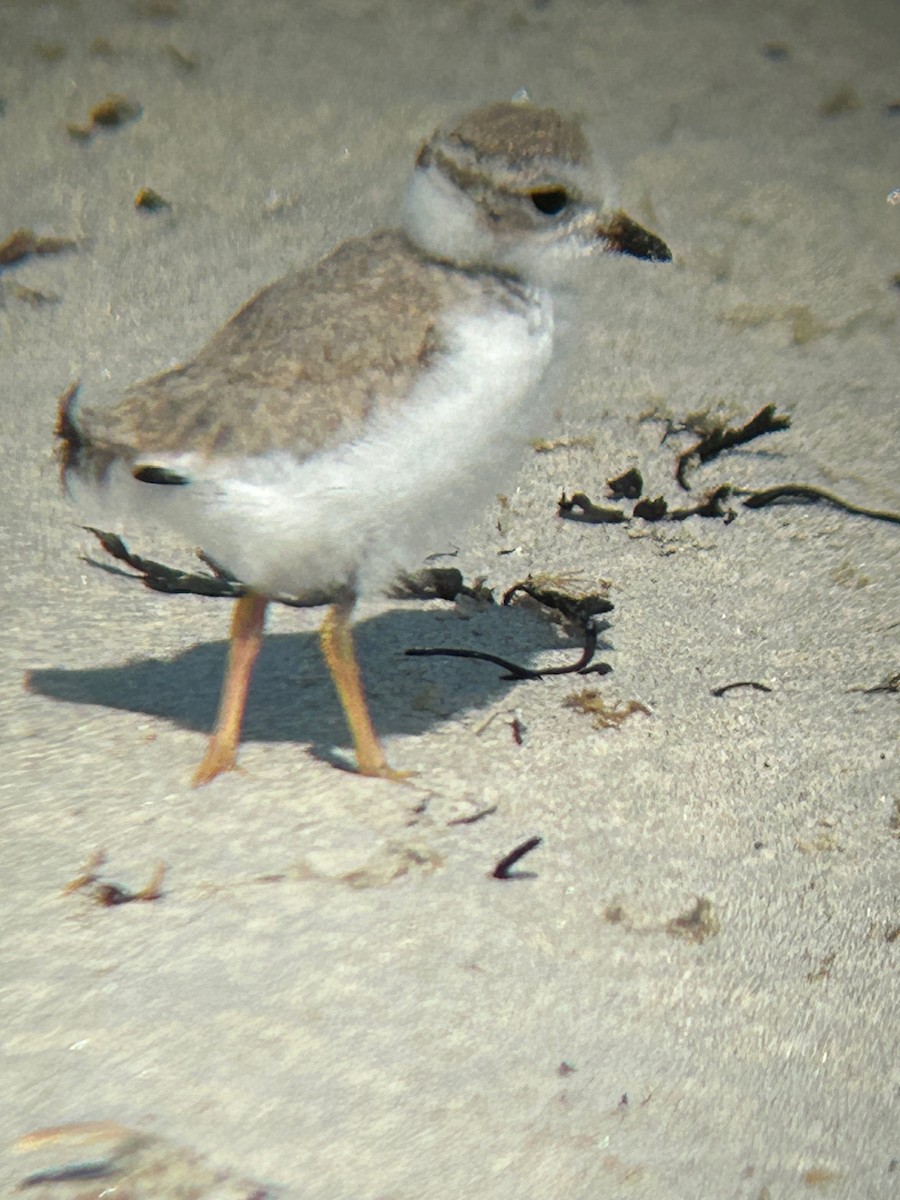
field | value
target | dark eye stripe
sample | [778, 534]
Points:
[550, 201]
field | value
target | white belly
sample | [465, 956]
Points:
[360, 513]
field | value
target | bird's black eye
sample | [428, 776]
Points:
[550, 201]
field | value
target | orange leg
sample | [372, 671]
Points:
[337, 646]
[246, 638]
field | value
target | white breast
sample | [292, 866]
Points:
[369, 508]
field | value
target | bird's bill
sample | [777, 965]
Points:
[623, 235]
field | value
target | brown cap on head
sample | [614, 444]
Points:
[520, 133]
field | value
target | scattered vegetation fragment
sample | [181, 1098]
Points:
[716, 436]
[112, 894]
[802, 322]
[147, 200]
[566, 598]
[33, 297]
[776, 51]
[650, 510]
[504, 868]
[184, 62]
[763, 497]
[724, 688]
[890, 684]
[843, 99]
[22, 243]
[97, 1159]
[440, 583]
[50, 51]
[823, 970]
[111, 113]
[102, 47]
[696, 924]
[627, 486]
[548, 445]
[605, 714]
[580, 507]
[824, 842]
[158, 10]
[819, 1177]
[723, 437]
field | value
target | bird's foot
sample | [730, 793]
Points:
[379, 769]
[216, 761]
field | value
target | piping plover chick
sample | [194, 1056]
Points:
[355, 412]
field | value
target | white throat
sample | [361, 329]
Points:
[443, 221]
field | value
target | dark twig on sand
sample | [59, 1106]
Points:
[723, 438]
[503, 869]
[805, 491]
[514, 671]
[741, 683]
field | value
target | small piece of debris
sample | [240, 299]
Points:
[112, 894]
[819, 1177]
[50, 51]
[391, 862]
[471, 818]
[548, 445]
[158, 10]
[110, 113]
[742, 683]
[566, 598]
[184, 62]
[102, 47]
[844, 99]
[33, 297]
[579, 507]
[823, 970]
[22, 243]
[114, 111]
[150, 201]
[697, 924]
[627, 486]
[763, 497]
[722, 438]
[439, 583]
[650, 510]
[606, 714]
[98, 1159]
[503, 869]
[776, 51]
[823, 843]
[890, 684]
[584, 665]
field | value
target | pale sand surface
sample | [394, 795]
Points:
[386, 1020]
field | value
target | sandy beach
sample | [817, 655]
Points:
[689, 988]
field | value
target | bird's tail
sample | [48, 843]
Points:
[76, 453]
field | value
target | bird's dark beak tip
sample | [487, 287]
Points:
[626, 236]
[658, 252]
